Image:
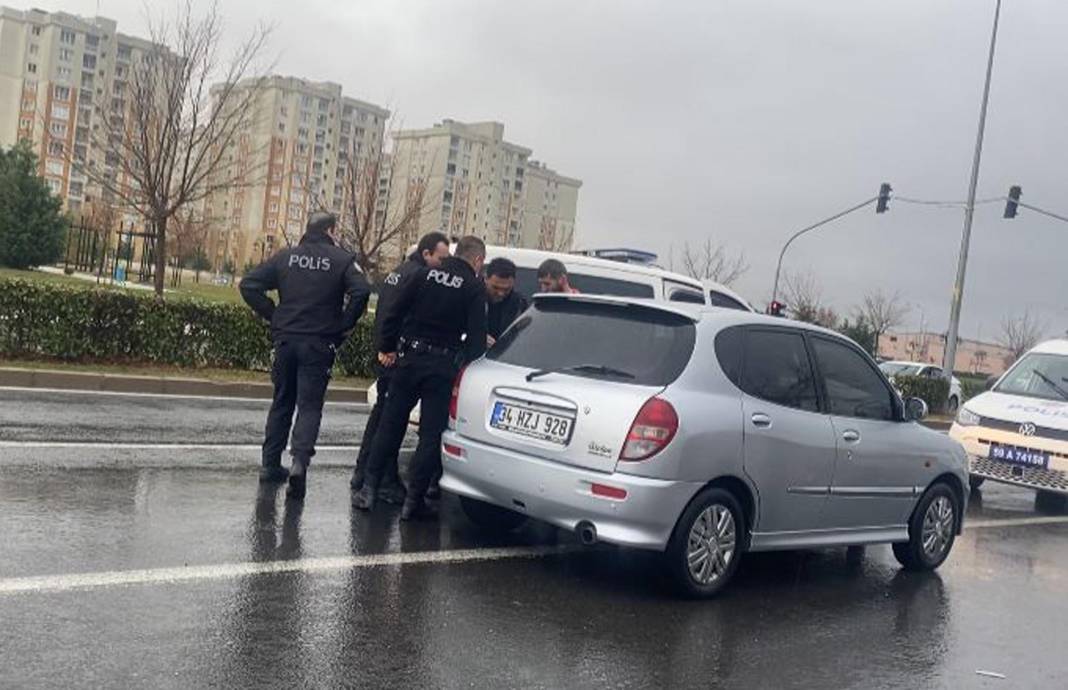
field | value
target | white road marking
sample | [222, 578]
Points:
[224, 398]
[1016, 522]
[161, 576]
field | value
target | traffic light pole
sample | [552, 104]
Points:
[802, 231]
[950, 357]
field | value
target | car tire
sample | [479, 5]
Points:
[491, 517]
[1051, 503]
[951, 405]
[975, 482]
[707, 544]
[932, 530]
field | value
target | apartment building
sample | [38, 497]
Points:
[306, 138]
[465, 179]
[550, 208]
[60, 75]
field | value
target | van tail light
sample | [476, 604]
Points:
[652, 430]
[454, 401]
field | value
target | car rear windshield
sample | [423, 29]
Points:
[626, 343]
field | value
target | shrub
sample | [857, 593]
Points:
[933, 391]
[93, 324]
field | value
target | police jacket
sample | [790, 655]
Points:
[438, 306]
[389, 289]
[313, 280]
[501, 315]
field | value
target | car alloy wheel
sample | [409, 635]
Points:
[938, 524]
[711, 544]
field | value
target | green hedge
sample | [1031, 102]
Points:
[93, 324]
[935, 392]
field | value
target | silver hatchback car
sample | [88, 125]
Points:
[701, 433]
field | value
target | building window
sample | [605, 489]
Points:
[63, 73]
[87, 82]
[75, 189]
[36, 31]
[61, 93]
[89, 61]
[25, 123]
[54, 167]
[66, 36]
[65, 54]
[92, 41]
[55, 148]
[31, 68]
[54, 184]
[273, 207]
[272, 223]
[124, 52]
[58, 129]
[33, 49]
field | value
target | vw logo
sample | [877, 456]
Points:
[1027, 429]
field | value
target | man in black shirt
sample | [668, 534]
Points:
[504, 303]
[440, 315]
[432, 248]
[321, 295]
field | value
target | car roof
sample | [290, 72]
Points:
[534, 257]
[1058, 346]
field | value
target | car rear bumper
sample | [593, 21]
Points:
[563, 494]
[976, 441]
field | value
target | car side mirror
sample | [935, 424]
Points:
[990, 381]
[915, 409]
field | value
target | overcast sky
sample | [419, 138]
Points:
[740, 120]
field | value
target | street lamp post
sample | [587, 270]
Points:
[969, 211]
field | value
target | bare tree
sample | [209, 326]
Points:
[169, 137]
[189, 232]
[883, 312]
[804, 299]
[1019, 334]
[552, 239]
[710, 261]
[373, 214]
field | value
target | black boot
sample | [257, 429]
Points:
[365, 498]
[415, 508]
[392, 491]
[356, 483]
[273, 474]
[433, 492]
[298, 479]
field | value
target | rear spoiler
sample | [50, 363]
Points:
[655, 305]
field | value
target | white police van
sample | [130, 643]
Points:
[1017, 432]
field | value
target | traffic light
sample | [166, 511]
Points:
[775, 308]
[1013, 201]
[884, 198]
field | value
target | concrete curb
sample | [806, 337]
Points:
[121, 383]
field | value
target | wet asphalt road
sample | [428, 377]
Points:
[172, 568]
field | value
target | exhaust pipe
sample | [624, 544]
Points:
[586, 532]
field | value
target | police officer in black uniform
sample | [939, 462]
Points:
[321, 295]
[436, 324]
[429, 252]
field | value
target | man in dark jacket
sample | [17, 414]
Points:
[436, 324]
[504, 304]
[432, 248]
[321, 295]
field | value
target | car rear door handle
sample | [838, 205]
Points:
[850, 436]
[761, 420]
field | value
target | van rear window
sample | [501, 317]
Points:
[526, 281]
[625, 343]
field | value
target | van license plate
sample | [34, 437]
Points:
[524, 421]
[1019, 456]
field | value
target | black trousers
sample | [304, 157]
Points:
[300, 375]
[390, 473]
[418, 377]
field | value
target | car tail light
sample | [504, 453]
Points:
[652, 430]
[453, 450]
[608, 491]
[454, 402]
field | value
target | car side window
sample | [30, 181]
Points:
[854, 389]
[688, 296]
[777, 369]
[718, 299]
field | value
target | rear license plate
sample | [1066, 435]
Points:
[524, 421]
[1019, 456]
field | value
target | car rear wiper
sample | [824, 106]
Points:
[1051, 383]
[582, 369]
